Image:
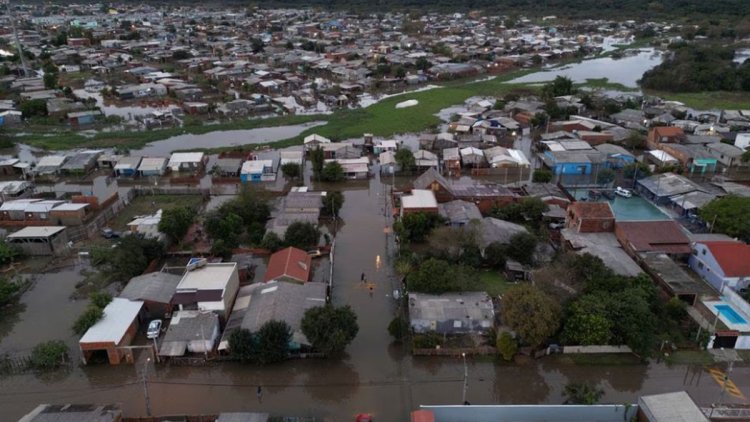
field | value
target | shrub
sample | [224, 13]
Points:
[87, 320]
[506, 345]
[48, 355]
[398, 328]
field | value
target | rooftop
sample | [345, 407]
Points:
[118, 315]
[655, 236]
[419, 198]
[213, 276]
[290, 262]
[600, 210]
[733, 257]
[152, 287]
[671, 407]
[36, 232]
[678, 281]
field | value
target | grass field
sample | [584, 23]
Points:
[143, 205]
[709, 100]
[493, 283]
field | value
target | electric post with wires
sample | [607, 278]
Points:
[21, 56]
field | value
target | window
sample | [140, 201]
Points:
[704, 251]
[700, 265]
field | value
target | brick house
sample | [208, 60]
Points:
[590, 217]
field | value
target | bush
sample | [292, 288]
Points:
[541, 176]
[506, 345]
[302, 235]
[91, 316]
[427, 341]
[272, 242]
[291, 170]
[8, 291]
[48, 355]
[330, 329]
[100, 299]
[242, 345]
[398, 328]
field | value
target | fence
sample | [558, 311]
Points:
[596, 349]
[171, 190]
[456, 352]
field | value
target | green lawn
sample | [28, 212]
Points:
[690, 357]
[493, 283]
[604, 83]
[143, 205]
[709, 100]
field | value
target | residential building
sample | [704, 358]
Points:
[258, 171]
[193, 331]
[208, 287]
[152, 166]
[155, 290]
[419, 200]
[664, 135]
[434, 181]
[664, 236]
[659, 188]
[590, 217]
[290, 265]
[459, 213]
[727, 155]
[127, 166]
[451, 313]
[40, 240]
[116, 329]
[186, 161]
[722, 263]
[147, 226]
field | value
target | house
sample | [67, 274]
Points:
[672, 279]
[80, 118]
[39, 211]
[77, 412]
[459, 213]
[155, 290]
[152, 166]
[603, 245]
[258, 171]
[722, 263]
[434, 181]
[452, 160]
[208, 287]
[451, 313]
[40, 240]
[420, 200]
[425, 159]
[727, 155]
[262, 302]
[81, 163]
[496, 230]
[388, 164]
[147, 226]
[485, 195]
[70, 214]
[688, 204]
[691, 157]
[127, 166]
[548, 193]
[385, 145]
[472, 157]
[354, 168]
[292, 156]
[297, 206]
[660, 187]
[15, 210]
[315, 141]
[505, 157]
[567, 162]
[617, 157]
[289, 264]
[228, 166]
[652, 236]
[186, 161]
[664, 135]
[590, 217]
[109, 335]
[193, 331]
[660, 158]
[50, 164]
[677, 406]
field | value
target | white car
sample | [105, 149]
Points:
[154, 329]
[623, 192]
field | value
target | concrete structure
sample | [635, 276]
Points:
[590, 217]
[147, 226]
[208, 287]
[451, 313]
[155, 290]
[673, 279]
[73, 413]
[290, 265]
[190, 331]
[420, 200]
[257, 304]
[116, 329]
[40, 240]
[152, 166]
[70, 214]
[722, 263]
[186, 161]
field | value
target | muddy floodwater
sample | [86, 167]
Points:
[375, 375]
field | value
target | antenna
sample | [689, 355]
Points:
[15, 35]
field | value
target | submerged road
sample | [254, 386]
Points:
[376, 376]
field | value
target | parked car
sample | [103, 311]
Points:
[108, 233]
[154, 329]
[623, 192]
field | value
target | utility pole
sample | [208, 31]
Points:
[466, 378]
[15, 36]
[723, 388]
[145, 387]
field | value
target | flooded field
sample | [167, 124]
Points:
[375, 375]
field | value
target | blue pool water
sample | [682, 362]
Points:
[730, 314]
[634, 208]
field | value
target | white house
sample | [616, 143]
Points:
[722, 263]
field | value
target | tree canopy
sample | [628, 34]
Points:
[533, 315]
[729, 215]
[175, 222]
[416, 226]
[302, 235]
[330, 329]
[438, 276]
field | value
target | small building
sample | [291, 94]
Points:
[314, 141]
[354, 168]
[425, 159]
[727, 155]
[81, 163]
[289, 264]
[451, 313]
[40, 240]
[152, 166]
[193, 331]
[665, 236]
[669, 407]
[262, 302]
[113, 333]
[155, 290]
[458, 213]
[472, 157]
[208, 287]
[127, 166]
[385, 145]
[590, 217]
[617, 156]
[659, 188]
[722, 263]
[486, 196]
[292, 156]
[664, 135]
[228, 166]
[70, 214]
[186, 161]
[604, 246]
[434, 181]
[258, 171]
[50, 164]
[80, 118]
[147, 226]
[420, 200]
[549, 193]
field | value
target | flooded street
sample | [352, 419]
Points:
[375, 376]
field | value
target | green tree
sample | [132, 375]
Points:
[416, 226]
[521, 248]
[129, 257]
[291, 170]
[243, 346]
[526, 211]
[541, 176]
[405, 159]
[506, 345]
[176, 222]
[8, 291]
[48, 355]
[636, 171]
[100, 299]
[332, 172]
[273, 342]
[50, 80]
[272, 242]
[605, 176]
[31, 108]
[438, 276]
[495, 255]
[582, 393]
[317, 157]
[330, 329]
[224, 227]
[332, 203]
[559, 87]
[533, 315]
[728, 215]
[302, 235]
[587, 323]
[90, 316]
[398, 328]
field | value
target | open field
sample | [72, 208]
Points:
[709, 100]
[493, 283]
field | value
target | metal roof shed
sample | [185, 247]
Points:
[116, 329]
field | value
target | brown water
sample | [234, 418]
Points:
[375, 376]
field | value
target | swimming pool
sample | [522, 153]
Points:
[730, 314]
[634, 208]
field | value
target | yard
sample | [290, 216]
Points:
[149, 204]
[709, 100]
[493, 283]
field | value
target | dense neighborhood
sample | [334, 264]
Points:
[200, 194]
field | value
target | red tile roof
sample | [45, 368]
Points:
[655, 236]
[733, 257]
[669, 131]
[290, 262]
[592, 209]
